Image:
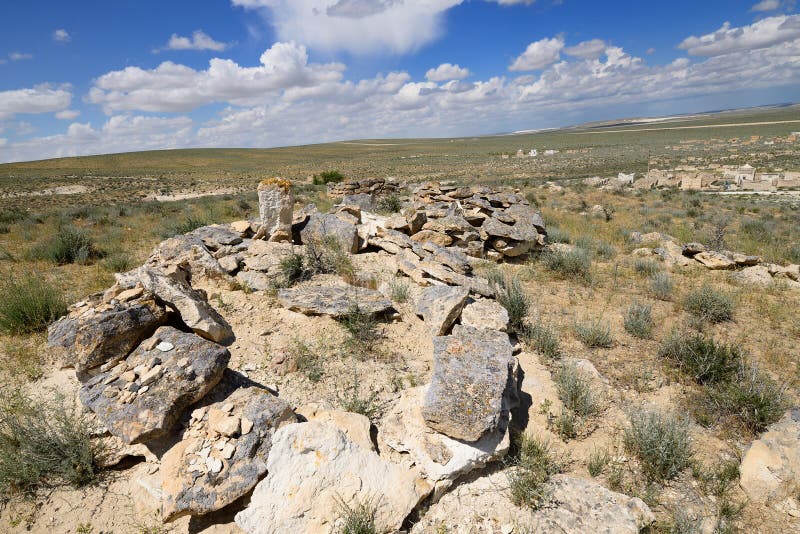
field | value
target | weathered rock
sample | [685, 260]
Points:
[438, 238]
[474, 383]
[314, 298]
[189, 485]
[485, 313]
[576, 506]
[145, 404]
[440, 307]
[690, 249]
[215, 236]
[365, 201]
[91, 336]
[672, 254]
[256, 280]
[354, 425]
[441, 459]
[323, 226]
[188, 253]
[756, 275]
[194, 309]
[475, 284]
[243, 228]
[275, 204]
[745, 260]
[792, 272]
[714, 260]
[416, 220]
[449, 256]
[525, 213]
[770, 468]
[312, 468]
[230, 264]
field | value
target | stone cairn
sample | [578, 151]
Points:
[367, 186]
[150, 353]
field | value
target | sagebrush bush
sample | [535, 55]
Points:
[68, 245]
[352, 400]
[646, 267]
[543, 339]
[575, 391]
[660, 442]
[597, 462]
[28, 303]
[399, 290]
[324, 254]
[638, 320]
[118, 263]
[569, 264]
[43, 444]
[709, 304]
[557, 235]
[594, 333]
[389, 204]
[513, 298]
[661, 286]
[328, 177]
[701, 358]
[292, 270]
[533, 467]
[752, 398]
[306, 359]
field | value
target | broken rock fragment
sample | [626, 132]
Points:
[223, 453]
[440, 307]
[474, 384]
[335, 300]
[142, 397]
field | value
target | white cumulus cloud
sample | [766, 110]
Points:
[539, 54]
[177, 88]
[61, 36]
[445, 72]
[761, 34]
[766, 5]
[198, 41]
[591, 49]
[68, 114]
[19, 56]
[39, 99]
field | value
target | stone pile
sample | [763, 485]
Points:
[747, 269]
[373, 187]
[150, 353]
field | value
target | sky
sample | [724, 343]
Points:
[95, 77]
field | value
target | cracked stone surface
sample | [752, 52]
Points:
[335, 300]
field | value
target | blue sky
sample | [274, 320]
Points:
[94, 77]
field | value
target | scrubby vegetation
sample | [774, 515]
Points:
[43, 444]
[660, 442]
[28, 303]
[594, 333]
[569, 264]
[709, 304]
[638, 320]
[532, 468]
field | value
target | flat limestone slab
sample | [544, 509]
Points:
[142, 397]
[474, 383]
[334, 300]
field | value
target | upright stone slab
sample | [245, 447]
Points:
[474, 383]
[275, 203]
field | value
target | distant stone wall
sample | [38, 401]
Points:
[369, 186]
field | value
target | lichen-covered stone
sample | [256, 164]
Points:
[191, 484]
[474, 384]
[323, 226]
[485, 313]
[94, 334]
[315, 298]
[440, 307]
[275, 204]
[142, 397]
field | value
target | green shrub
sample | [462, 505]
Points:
[575, 391]
[513, 298]
[566, 424]
[307, 360]
[43, 444]
[118, 263]
[357, 518]
[660, 442]
[351, 400]
[701, 358]
[646, 267]
[389, 204]
[68, 245]
[709, 304]
[292, 270]
[324, 254]
[4, 228]
[752, 398]
[569, 264]
[12, 215]
[557, 235]
[594, 333]
[28, 303]
[597, 462]
[638, 320]
[605, 251]
[543, 339]
[328, 177]
[399, 290]
[661, 286]
[361, 325]
[531, 470]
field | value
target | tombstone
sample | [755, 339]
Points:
[275, 202]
